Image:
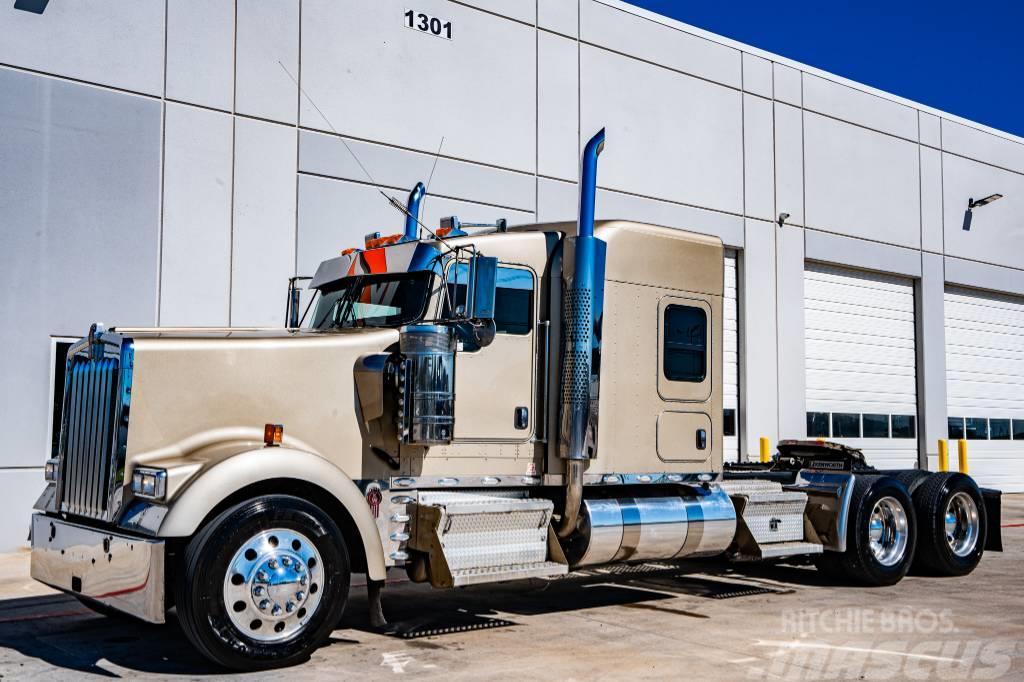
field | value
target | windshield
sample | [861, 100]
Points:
[373, 301]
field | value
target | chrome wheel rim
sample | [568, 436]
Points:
[962, 524]
[273, 585]
[888, 531]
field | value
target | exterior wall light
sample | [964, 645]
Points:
[972, 204]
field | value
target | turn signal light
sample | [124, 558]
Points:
[149, 482]
[272, 434]
[52, 469]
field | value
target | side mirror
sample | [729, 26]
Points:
[482, 286]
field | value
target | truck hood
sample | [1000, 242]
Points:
[193, 389]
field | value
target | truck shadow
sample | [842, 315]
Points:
[59, 631]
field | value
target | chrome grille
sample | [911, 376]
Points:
[94, 425]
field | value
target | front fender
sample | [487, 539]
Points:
[210, 487]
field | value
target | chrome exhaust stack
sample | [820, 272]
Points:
[583, 302]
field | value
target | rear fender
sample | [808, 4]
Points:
[207, 489]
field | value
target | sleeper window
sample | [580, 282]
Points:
[686, 344]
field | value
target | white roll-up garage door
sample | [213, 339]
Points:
[730, 360]
[860, 354]
[985, 384]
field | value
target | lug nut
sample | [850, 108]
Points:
[302, 580]
[258, 590]
[289, 607]
[300, 567]
[264, 605]
[276, 611]
[261, 576]
[272, 563]
[300, 595]
[285, 561]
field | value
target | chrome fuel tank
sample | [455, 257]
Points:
[651, 528]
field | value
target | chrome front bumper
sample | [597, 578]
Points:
[123, 572]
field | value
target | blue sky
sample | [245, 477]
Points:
[966, 58]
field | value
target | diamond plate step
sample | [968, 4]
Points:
[493, 574]
[472, 537]
[746, 487]
[780, 550]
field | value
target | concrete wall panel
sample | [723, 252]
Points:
[196, 257]
[513, 9]
[618, 29]
[983, 146]
[860, 253]
[856, 106]
[118, 44]
[789, 314]
[759, 380]
[997, 231]
[263, 243]
[561, 16]
[861, 183]
[79, 230]
[268, 33]
[558, 144]
[372, 84]
[670, 136]
[201, 52]
[977, 275]
[396, 168]
[789, 163]
[759, 158]
[931, 354]
[931, 200]
[757, 75]
[930, 129]
[787, 84]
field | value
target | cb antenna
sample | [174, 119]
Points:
[390, 199]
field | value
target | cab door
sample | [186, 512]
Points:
[494, 385]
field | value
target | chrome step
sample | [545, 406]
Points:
[780, 550]
[494, 574]
[474, 537]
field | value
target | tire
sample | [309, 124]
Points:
[877, 502]
[938, 553]
[263, 584]
[912, 478]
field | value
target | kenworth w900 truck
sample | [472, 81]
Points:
[510, 403]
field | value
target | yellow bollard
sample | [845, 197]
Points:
[766, 455]
[943, 455]
[962, 452]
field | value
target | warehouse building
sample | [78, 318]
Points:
[159, 164]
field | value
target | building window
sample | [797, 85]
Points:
[904, 426]
[729, 422]
[976, 428]
[817, 425]
[999, 429]
[956, 428]
[845, 425]
[686, 343]
[1018, 429]
[876, 426]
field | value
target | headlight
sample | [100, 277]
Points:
[149, 483]
[52, 469]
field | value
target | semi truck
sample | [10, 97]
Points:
[471, 405]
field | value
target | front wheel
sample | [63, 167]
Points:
[263, 584]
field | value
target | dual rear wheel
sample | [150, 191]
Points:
[939, 529]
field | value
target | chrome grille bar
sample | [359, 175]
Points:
[94, 425]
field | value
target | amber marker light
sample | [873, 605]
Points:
[272, 434]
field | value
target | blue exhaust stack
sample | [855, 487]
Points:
[412, 212]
